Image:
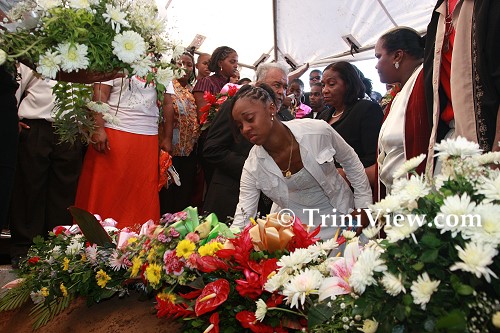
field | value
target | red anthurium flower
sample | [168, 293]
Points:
[250, 287]
[192, 294]
[247, 320]
[213, 295]
[208, 264]
[232, 90]
[33, 260]
[264, 268]
[274, 300]
[209, 97]
[214, 324]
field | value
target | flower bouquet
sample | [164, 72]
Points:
[210, 109]
[86, 41]
[437, 270]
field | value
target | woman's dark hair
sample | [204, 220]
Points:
[192, 77]
[406, 39]
[299, 82]
[355, 89]
[366, 81]
[220, 53]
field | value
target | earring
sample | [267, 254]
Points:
[272, 117]
[396, 64]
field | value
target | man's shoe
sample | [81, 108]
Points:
[14, 262]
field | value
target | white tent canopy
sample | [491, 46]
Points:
[303, 31]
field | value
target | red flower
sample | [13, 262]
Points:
[274, 300]
[33, 260]
[251, 287]
[208, 264]
[205, 108]
[247, 320]
[232, 90]
[169, 309]
[59, 230]
[301, 239]
[192, 294]
[203, 118]
[214, 320]
[209, 97]
[264, 268]
[213, 295]
[242, 248]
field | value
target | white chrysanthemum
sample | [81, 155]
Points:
[295, 260]
[73, 57]
[117, 261]
[459, 147]
[348, 234]
[422, 289]
[369, 326]
[48, 64]
[165, 75]
[439, 181]
[177, 49]
[393, 285]
[371, 231]
[476, 257]
[412, 189]
[408, 166]
[300, 286]
[116, 17]
[492, 157]
[111, 119]
[402, 229]
[48, 4]
[484, 226]
[3, 57]
[261, 311]
[142, 67]
[79, 4]
[129, 46]
[56, 251]
[389, 204]
[98, 107]
[457, 208]
[490, 188]
[74, 247]
[323, 247]
[367, 264]
[276, 281]
[91, 252]
[37, 297]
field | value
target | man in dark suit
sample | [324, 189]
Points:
[227, 150]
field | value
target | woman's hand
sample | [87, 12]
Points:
[166, 145]
[100, 140]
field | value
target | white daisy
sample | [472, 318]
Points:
[459, 147]
[412, 189]
[3, 57]
[389, 204]
[454, 207]
[392, 284]
[142, 67]
[48, 64]
[300, 286]
[261, 311]
[276, 281]
[98, 107]
[476, 257]
[165, 75]
[483, 225]
[369, 326]
[116, 17]
[129, 46]
[401, 229]
[348, 234]
[422, 289]
[73, 57]
[488, 158]
[367, 264]
[490, 188]
[48, 4]
[408, 166]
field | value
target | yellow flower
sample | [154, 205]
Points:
[136, 266]
[63, 290]
[153, 273]
[210, 248]
[65, 264]
[44, 291]
[132, 240]
[496, 319]
[151, 254]
[185, 248]
[102, 278]
[166, 297]
[84, 258]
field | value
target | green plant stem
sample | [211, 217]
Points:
[286, 310]
[25, 50]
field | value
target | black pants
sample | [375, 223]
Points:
[8, 138]
[176, 198]
[45, 184]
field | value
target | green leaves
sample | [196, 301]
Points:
[90, 227]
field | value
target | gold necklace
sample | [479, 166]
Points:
[287, 172]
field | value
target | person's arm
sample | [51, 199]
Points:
[217, 148]
[100, 138]
[168, 123]
[248, 200]
[200, 102]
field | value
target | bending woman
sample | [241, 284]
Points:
[293, 163]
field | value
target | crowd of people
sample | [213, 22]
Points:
[271, 146]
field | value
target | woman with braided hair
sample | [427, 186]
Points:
[293, 163]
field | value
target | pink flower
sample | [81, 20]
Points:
[193, 237]
[172, 263]
[124, 236]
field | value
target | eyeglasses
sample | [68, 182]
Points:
[315, 78]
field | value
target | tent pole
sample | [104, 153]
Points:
[275, 30]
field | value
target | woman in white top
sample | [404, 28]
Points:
[405, 131]
[293, 164]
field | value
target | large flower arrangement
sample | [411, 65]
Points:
[437, 270]
[88, 41]
[209, 110]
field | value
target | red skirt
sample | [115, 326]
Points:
[122, 183]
